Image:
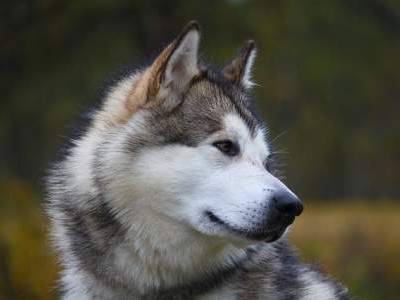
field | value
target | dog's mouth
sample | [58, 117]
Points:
[268, 235]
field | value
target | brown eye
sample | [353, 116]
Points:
[227, 147]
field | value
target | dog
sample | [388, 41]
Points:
[171, 191]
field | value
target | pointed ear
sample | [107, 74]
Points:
[177, 65]
[238, 71]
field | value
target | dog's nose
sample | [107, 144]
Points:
[288, 203]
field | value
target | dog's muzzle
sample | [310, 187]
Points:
[284, 207]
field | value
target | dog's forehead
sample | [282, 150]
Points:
[202, 113]
[236, 127]
[212, 106]
[213, 99]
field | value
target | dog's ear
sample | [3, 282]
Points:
[239, 70]
[176, 66]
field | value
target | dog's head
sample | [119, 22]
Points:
[189, 149]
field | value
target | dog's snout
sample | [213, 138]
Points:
[288, 204]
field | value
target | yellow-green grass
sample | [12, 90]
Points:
[356, 241]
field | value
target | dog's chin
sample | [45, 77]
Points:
[266, 234]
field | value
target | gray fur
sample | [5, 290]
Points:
[92, 234]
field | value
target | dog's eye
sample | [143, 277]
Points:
[227, 147]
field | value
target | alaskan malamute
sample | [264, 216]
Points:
[170, 192]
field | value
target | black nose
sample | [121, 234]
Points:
[288, 204]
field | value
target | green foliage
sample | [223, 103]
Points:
[354, 242]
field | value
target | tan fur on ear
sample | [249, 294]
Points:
[142, 90]
[139, 92]
[136, 92]
[156, 71]
[146, 89]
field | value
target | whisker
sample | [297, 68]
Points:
[278, 136]
[280, 151]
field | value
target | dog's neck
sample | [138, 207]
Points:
[151, 260]
[179, 261]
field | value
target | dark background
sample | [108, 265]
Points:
[329, 87]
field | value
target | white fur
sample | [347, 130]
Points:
[192, 180]
[247, 81]
[153, 255]
[170, 233]
[315, 288]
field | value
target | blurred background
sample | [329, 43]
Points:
[329, 88]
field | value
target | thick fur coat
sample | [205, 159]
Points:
[171, 193]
